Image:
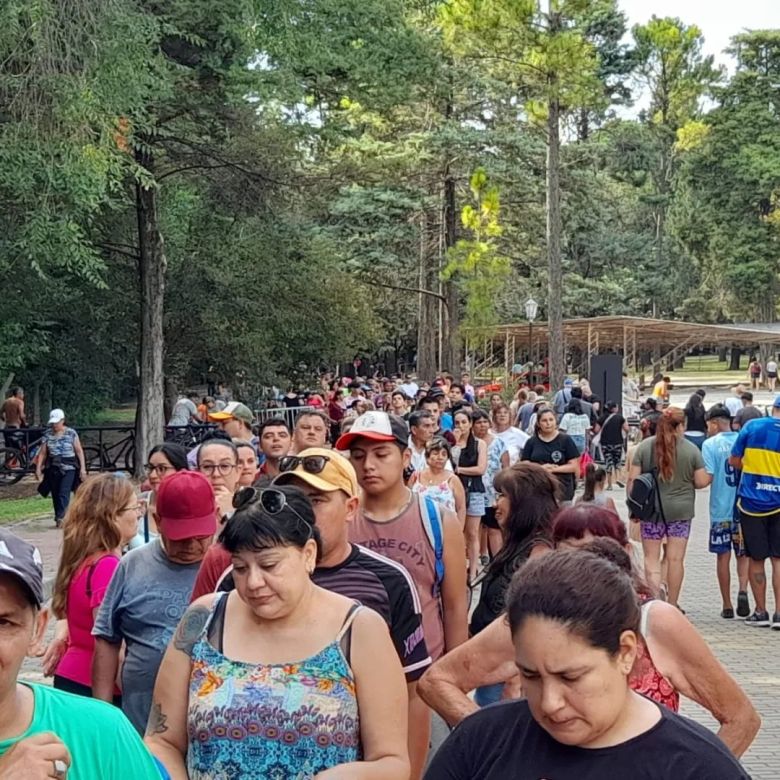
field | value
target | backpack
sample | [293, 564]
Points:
[644, 500]
[431, 518]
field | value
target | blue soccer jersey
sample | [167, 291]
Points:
[723, 493]
[758, 444]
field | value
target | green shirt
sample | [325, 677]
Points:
[102, 743]
[678, 495]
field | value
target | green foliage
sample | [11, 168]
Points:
[476, 263]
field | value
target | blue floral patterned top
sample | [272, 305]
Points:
[495, 450]
[274, 721]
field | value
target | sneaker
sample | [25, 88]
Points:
[743, 605]
[758, 619]
[776, 621]
[620, 484]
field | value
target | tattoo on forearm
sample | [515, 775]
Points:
[190, 628]
[158, 721]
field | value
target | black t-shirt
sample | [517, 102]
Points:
[559, 451]
[386, 587]
[612, 431]
[504, 742]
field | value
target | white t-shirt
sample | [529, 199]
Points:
[410, 389]
[771, 367]
[733, 404]
[515, 440]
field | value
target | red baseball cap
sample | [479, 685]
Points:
[376, 426]
[185, 506]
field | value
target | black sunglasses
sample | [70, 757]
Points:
[313, 464]
[271, 499]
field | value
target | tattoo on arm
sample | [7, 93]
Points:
[158, 720]
[190, 628]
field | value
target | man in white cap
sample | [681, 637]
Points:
[425, 540]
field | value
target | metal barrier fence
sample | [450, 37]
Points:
[289, 415]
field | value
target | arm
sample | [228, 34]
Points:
[453, 588]
[486, 659]
[633, 472]
[166, 731]
[459, 492]
[80, 455]
[105, 665]
[685, 659]
[382, 705]
[570, 467]
[40, 461]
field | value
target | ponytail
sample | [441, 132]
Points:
[666, 441]
[594, 475]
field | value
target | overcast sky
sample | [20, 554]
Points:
[718, 19]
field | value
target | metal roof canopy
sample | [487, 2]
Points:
[628, 335]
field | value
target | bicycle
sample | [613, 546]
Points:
[15, 462]
[119, 456]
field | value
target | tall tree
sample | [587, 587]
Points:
[545, 55]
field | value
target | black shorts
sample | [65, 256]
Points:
[489, 519]
[761, 535]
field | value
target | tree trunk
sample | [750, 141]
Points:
[554, 229]
[722, 352]
[736, 354]
[149, 421]
[428, 325]
[451, 354]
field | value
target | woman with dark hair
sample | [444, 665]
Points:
[673, 658]
[580, 717]
[555, 451]
[679, 469]
[472, 464]
[576, 423]
[696, 424]
[526, 502]
[164, 459]
[497, 459]
[279, 677]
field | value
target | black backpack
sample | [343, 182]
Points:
[642, 501]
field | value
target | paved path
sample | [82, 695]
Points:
[750, 654]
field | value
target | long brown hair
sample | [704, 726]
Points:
[90, 527]
[666, 441]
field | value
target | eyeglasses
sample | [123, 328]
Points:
[313, 464]
[209, 469]
[160, 468]
[272, 500]
[137, 508]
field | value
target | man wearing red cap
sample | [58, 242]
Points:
[150, 592]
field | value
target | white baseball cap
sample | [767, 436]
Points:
[55, 416]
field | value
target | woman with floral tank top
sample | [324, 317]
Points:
[278, 678]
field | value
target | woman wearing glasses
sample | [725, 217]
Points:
[279, 678]
[164, 459]
[101, 519]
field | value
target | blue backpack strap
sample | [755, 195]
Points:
[433, 528]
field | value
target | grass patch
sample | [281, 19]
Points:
[15, 509]
[122, 415]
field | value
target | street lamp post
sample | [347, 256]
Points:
[531, 310]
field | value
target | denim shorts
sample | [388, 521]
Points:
[476, 505]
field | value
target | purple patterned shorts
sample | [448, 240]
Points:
[678, 529]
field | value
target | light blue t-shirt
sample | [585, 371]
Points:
[147, 596]
[723, 492]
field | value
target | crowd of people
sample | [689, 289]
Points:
[297, 601]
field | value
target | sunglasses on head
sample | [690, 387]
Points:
[272, 500]
[313, 464]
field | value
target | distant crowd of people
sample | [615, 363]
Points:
[295, 601]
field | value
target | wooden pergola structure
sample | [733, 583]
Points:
[668, 340]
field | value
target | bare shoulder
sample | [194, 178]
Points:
[193, 623]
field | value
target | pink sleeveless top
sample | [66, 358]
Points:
[645, 677]
[403, 540]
